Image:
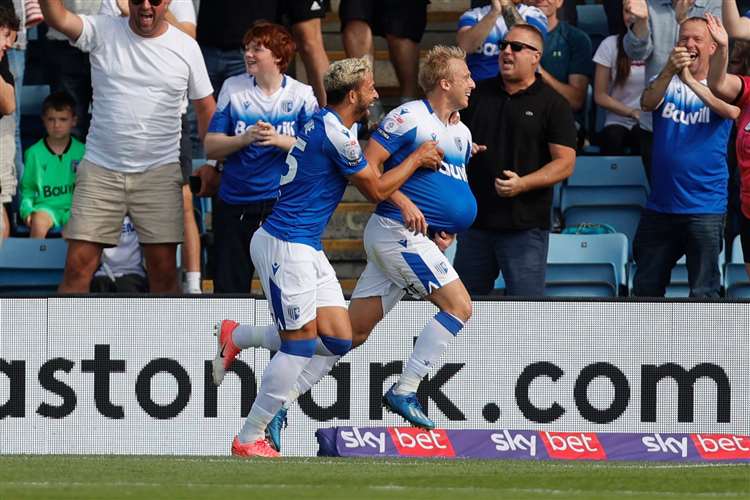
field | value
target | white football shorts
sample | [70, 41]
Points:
[400, 262]
[296, 280]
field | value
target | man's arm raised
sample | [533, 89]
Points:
[61, 19]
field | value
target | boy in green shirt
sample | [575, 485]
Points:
[49, 175]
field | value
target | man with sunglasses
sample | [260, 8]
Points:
[530, 135]
[141, 68]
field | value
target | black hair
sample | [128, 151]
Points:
[59, 101]
[8, 18]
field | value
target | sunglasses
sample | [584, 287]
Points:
[154, 3]
[517, 46]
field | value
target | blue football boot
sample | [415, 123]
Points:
[274, 427]
[408, 407]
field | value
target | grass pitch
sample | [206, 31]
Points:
[116, 477]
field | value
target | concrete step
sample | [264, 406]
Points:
[344, 250]
[348, 221]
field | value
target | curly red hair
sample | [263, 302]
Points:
[275, 38]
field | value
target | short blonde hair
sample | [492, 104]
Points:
[343, 76]
[435, 65]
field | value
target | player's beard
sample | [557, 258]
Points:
[363, 107]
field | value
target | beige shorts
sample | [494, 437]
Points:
[102, 197]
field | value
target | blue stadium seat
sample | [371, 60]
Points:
[624, 218]
[605, 180]
[593, 21]
[586, 265]
[31, 266]
[32, 97]
[737, 283]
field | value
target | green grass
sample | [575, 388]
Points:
[115, 477]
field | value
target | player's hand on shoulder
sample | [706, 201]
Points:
[443, 240]
[429, 155]
[210, 179]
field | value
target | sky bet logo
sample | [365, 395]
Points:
[357, 438]
[670, 445]
[514, 442]
[413, 442]
[722, 446]
[573, 445]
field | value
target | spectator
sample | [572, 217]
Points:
[566, 64]
[651, 38]
[257, 118]
[69, 67]
[181, 15]
[618, 85]
[48, 182]
[481, 29]
[304, 18]
[529, 133]
[684, 214]
[402, 23]
[735, 88]
[121, 269]
[9, 25]
[132, 151]
[17, 63]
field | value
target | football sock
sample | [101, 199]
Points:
[245, 336]
[192, 282]
[277, 382]
[318, 367]
[430, 345]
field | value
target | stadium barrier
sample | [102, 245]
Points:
[104, 375]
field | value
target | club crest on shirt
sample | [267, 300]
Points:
[293, 312]
[73, 164]
[434, 136]
[390, 124]
[286, 106]
[459, 143]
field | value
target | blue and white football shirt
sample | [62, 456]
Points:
[325, 155]
[444, 196]
[483, 63]
[252, 173]
[689, 173]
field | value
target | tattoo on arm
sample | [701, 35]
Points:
[511, 15]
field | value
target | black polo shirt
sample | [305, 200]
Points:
[517, 130]
[223, 23]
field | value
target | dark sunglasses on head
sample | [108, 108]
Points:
[154, 3]
[517, 46]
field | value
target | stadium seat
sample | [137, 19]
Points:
[593, 21]
[737, 283]
[605, 180]
[624, 218]
[31, 266]
[586, 265]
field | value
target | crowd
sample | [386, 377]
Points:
[139, 85]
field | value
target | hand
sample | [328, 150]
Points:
[681, 8]
[252, 134]
[413, 217]
[210, 179]
[124, 7]
[477, 148]
[429, 155]
[678, 59]
[635, 113]
[686, 76]
[266, 134]
[717, 30]
[443, 240]
[636, 8]
[510, 187]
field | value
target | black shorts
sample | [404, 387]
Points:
[295, 11]
[186, 150]
[745, 237]
[401, 18]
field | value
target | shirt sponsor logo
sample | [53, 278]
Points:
[722, 446]
[573, 445]
[352, 151]
[413, 442]
[670, 112]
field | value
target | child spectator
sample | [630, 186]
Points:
[618, 85]
[49, 175]
[9, 25]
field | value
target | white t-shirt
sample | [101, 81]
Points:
[630, 93]
[182, 10]
[138, 86]
[126, 257]
[80, 7]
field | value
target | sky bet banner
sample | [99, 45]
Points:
[133, 376]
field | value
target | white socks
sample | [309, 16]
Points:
[431, 344]
[245, 336]
[318, 367]
[192, 283]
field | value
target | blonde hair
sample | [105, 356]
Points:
[343, 76]
[435, 66]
